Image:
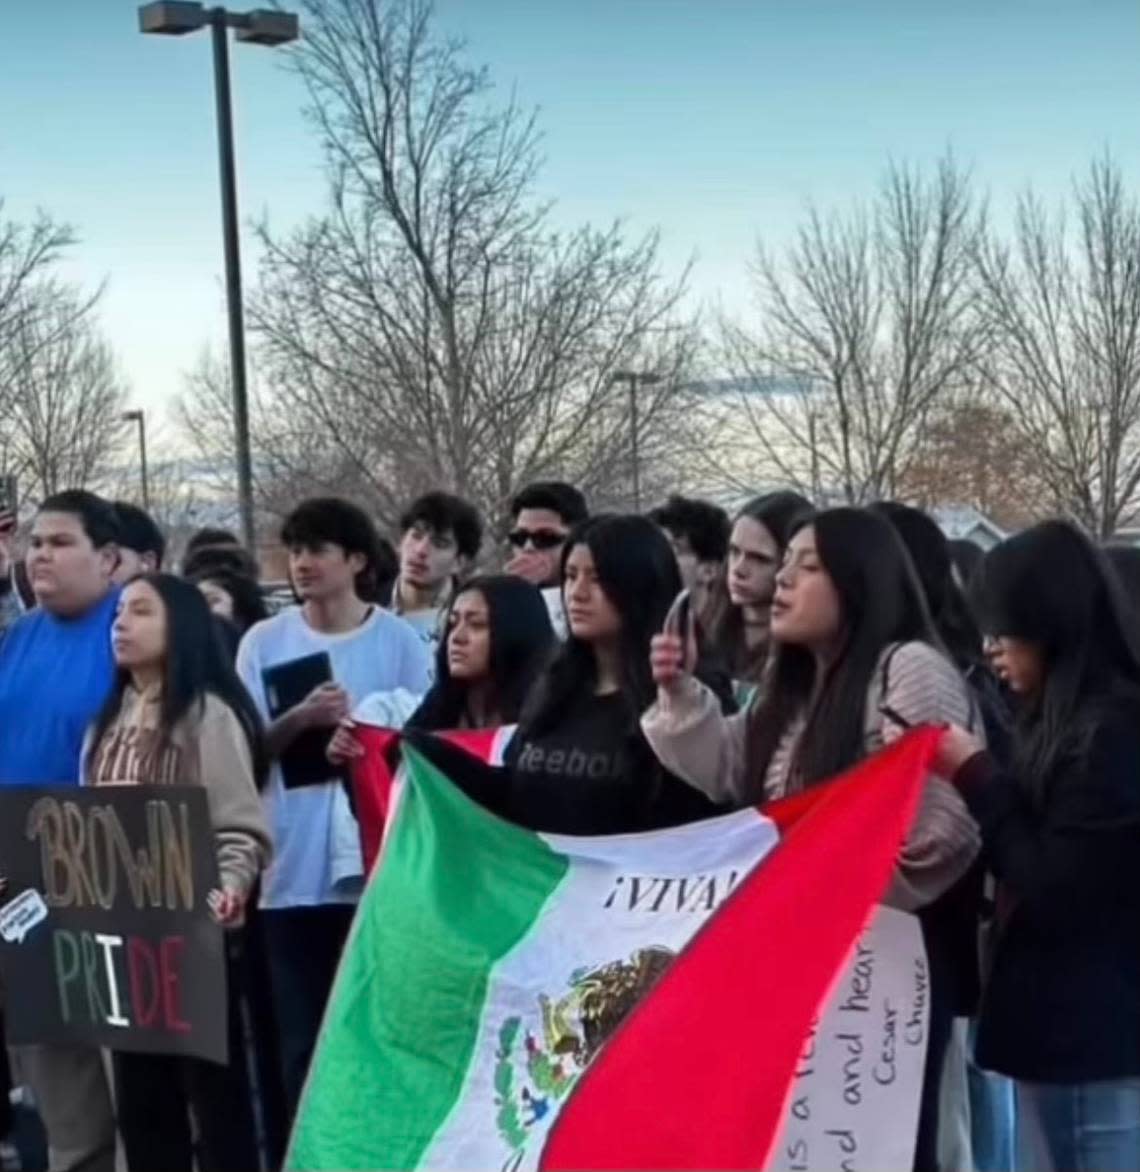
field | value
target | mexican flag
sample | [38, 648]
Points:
[721, 995]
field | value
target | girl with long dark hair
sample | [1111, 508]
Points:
[177, 714]
[499, 640]
[855, 661]
[232, 596]
[578, 763]
[1061, 831]
[965, 912]
[739, 616]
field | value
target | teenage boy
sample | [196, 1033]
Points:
[440, 536]
[543, 515]
[308, 896]
[698, 531]
[142, 546]
[56, 670]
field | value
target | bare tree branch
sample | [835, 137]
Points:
[430, 328]
[63, 419]
[866, 323]
[1064, 315]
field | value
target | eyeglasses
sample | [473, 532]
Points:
[540, 540]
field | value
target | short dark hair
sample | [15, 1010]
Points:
[444, 513]
[557, 497]
[98, 517]
[210, 536]
[207, 559]
[704, 525]
[332, 521]
[139, 531]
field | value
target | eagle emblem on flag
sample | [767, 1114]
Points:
[567, 1034]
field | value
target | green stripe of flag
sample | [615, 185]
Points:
[395, 1046]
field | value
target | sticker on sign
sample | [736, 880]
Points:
[20, 916]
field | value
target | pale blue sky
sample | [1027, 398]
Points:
[713, 119]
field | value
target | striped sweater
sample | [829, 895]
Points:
[693, 739]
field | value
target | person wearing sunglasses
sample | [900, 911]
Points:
[542, 516]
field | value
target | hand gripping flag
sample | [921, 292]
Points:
[720, 995]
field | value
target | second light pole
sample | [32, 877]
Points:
[635, 379]
[139, 418]
[260, 27]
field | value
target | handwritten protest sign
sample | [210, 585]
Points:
[105, 933]
[856, 1096]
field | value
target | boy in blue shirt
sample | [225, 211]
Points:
[56, 669]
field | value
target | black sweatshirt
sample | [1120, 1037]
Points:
[585, 775]
[1062, 1004]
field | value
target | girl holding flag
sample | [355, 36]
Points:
[855, 662]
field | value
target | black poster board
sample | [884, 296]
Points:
[106, 937]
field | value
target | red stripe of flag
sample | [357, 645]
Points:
[744, 993]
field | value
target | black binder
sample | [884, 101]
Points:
[286, 685]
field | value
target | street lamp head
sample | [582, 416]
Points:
[135, 416]
[171, 18]
[645, 378]
[266, 27]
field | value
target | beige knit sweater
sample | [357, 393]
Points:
[693, 739]
[207, 748]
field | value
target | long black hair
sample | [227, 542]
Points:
[781, 513]
[881, 604]
[637, 569]
[930, 555]
[522, 642]
[1052, 587]
[196, 665]
[248, 601]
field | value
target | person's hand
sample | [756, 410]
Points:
[955, 748]
[227, 906]
[344, 747]
[7, 539]
[325, 706]
[673, 653]
[531, 566]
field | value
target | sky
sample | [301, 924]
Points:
[716, 121]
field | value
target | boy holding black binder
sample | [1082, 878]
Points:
[306, 668]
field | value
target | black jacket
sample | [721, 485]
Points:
[1062, 1003]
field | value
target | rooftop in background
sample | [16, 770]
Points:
[766, 385]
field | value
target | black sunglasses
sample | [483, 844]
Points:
[540, 541]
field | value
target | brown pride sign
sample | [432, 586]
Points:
[106, 936]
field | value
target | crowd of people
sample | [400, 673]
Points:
[656, 670]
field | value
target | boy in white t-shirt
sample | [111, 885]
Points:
[440, 536]
[307, 906]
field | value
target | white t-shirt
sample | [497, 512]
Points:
[382, 654]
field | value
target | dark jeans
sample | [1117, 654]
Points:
[304, 946]
[260, 1026]
[155, 1094]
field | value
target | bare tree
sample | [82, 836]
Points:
[431, 329]
[28, 255]
[865, 324]
[1065, 320]
[63, 419]
[967, 459]
[293, 457]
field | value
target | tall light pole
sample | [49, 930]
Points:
[259, 27]
[139, 417]
[635, 378]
